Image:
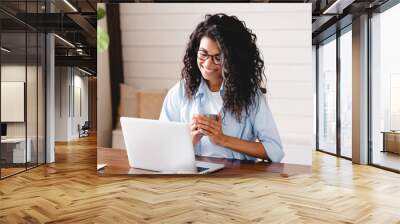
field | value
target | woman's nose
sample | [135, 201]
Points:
[209, 62]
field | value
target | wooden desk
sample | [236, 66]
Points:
[117, 163]
[391, 141]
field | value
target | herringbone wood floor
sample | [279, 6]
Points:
[69, 191]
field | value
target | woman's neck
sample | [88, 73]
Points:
[214, 86]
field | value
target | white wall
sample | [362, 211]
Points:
[34, 124]
[67, 81]
[80, 83]
[61, 103]
[14, 73]
[154, 38]
[17, 73]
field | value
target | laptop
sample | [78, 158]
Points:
[162, 146]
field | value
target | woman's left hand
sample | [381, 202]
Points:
[211, 128]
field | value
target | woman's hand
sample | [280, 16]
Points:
[210, 128]
[213, 129]
[195, 131]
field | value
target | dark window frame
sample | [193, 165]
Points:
[334, 37]
[387, 5]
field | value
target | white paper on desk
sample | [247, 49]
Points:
[101, 166]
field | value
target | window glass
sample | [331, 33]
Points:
[327, 96]
[346, 94]
[385, 87]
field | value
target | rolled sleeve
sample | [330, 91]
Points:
[266, 131]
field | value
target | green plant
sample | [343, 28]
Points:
[103, 40]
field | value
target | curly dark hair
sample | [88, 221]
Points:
[243, 68]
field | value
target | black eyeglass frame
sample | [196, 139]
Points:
[202, 55]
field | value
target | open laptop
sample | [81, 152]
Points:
[162, 146]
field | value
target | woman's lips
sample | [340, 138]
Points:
[209, 70]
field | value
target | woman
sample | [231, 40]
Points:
[222, 75]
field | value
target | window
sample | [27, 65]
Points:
[327, 96]
[385, 89]
[346, 93]
[23, 77]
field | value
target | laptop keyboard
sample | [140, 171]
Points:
[201, 169]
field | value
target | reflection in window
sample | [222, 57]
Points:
[346, 94]
[15, 150]
[395, 101]
[327, 96]
[22, 88]
[385, 84]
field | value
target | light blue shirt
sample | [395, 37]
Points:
[258, 125]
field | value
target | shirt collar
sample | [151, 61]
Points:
[202, 89]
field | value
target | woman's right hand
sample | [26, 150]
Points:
[195, 131]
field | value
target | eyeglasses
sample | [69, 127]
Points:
[203, 56]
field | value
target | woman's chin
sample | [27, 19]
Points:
[209, 76]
